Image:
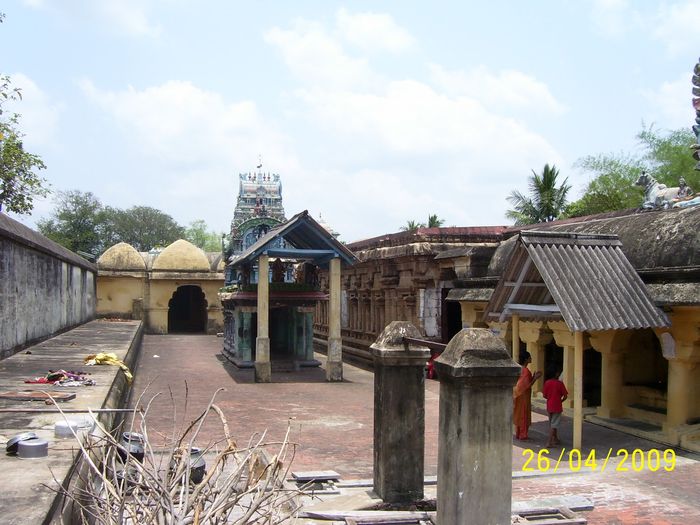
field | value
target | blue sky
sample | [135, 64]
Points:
[373, 113]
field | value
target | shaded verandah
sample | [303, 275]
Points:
[581, 286]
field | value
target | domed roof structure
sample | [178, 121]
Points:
[182, 255]
[121, 256]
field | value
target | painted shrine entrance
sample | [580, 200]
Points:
[187, 310]
[272, 319]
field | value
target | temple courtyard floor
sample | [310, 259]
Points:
[331, 427]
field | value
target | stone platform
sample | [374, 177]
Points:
[29, 485]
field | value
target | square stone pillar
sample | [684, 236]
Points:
[334, 364]
[475, 443]
[611, 344]
[399, 414]
[263, 367]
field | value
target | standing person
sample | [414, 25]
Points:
[521, 397]
[555, 393]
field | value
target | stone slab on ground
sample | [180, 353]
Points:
[29, 485]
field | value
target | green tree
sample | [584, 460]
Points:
[199, 235]
[75, 222]
[546, 201]
[411, 226]
[143, 227]
[19, 181]
[612, 189]
[665, 156]
[434, 221]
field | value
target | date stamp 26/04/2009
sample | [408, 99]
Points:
[574, 460]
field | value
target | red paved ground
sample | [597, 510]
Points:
[332, 426]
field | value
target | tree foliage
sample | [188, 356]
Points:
[433, 222]
[80, 222]
[19, 181]
[75, 222]
[665, 156]
[199, 235]
[545, 202]
[143, 227]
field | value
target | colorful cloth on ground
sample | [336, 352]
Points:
[62, 378]
[109, 359]
[553, 390]
[522, 404]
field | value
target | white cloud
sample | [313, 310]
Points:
[194, 138]
[676, 25]
[373, 31]
[671, 103]
[505, 90]
[129, 17]
[406, 148]
[316, 58]
[612, 17]
[39, 116]
[412, 118]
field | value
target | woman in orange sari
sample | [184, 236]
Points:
[521, 397]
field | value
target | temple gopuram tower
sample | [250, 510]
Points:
[258, 209]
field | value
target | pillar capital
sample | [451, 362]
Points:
[389, 348]
[563, 336]
[535, 332]
[610, 341]
[477, 356]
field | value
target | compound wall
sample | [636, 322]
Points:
[45, 289]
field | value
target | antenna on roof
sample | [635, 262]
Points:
[259, 162]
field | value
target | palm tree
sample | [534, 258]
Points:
[434, 221]
[411, 226]
[546, 201]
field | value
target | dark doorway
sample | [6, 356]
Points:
[451, 318]
[187, 310]
[553, 360]
[592, 370]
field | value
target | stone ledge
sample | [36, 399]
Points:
[29, 484]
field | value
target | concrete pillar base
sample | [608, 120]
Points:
[334, 365]
[334, 371]
[263, 367]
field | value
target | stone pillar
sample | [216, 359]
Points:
[578, 389]
[680, 393]
[515, 330]
[334, 364]
[536, 335]
[681, 347]
[263, 368]
[399, 414]
[475, 444]
[244, 346]
[610, 344]
[565, 338]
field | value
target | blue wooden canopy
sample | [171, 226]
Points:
[306, 240]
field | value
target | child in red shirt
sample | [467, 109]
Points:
[555, 393]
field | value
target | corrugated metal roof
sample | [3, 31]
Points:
[303, 233]
[584, 279]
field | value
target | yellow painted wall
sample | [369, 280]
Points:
[115, 295]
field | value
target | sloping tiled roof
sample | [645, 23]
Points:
[584, 279]
[303, 233]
